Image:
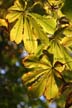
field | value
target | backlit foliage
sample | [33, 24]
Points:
[45, 29]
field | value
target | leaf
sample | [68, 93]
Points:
[41, 79]
[48, 24]
[64, 101]
[14, 12]
[67, 74]
[30, 41]
[49, 55]
[51, 90]
[66, 41]
[25, 27]
[38, 32]
[59, 66]
[3, 22]
[67, 8]
[61, 53]
[13, 16]
[68, 31]
[16, 33]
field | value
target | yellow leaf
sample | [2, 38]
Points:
[30, 41]
[16, 33]
[66, 41]
[41, 79]
[51, 90]
[12, 16]
[3, 22]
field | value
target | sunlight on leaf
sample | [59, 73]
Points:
[29, 38]
[66, 41]
[60, 53]
[3, 22]
[41, 79]
[26, 27]
[48, 24]
[14, 12]
[16, 32]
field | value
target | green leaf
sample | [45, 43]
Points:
[61, 53]
[48, 24]
[67, 8]
[41, 79]
[38, 32]
[67, 74]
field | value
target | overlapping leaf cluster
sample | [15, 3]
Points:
[29, 26]
[48, 39]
